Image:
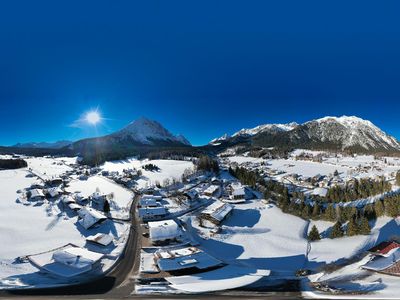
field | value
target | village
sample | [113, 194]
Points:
[199, 230]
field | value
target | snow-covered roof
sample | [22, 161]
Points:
[67, 199]
[90, 217]
[100, 238]
[148, 202]
[163, 230]
[380, 262]
[239, 191]
[36, 193]
[76, 257]
[74, 206]
[185, 258]
[224, 278]
[152, 211]
[211, 189]
[158, 198]
[218, 210]
[320, 192]
[54, 191]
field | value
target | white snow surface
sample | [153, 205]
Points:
[169, 169]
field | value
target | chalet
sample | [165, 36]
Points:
[212, 190]
[54, 192]
[156, 197]
[192, 194]
[239, 193]
[74, 206]
[101, 239]
[67, 199]
[190, 259]
[78, 259]
[217, 212]
[36, 195]
[164, 231]
[389, 264]
[152, 213]
[384, 248]
[90, 217]
[148, 202]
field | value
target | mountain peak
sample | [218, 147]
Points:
[147, 131]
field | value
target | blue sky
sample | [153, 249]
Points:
[200, 68]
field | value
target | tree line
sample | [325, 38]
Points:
[358, 189]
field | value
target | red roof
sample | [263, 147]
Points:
[384, 247]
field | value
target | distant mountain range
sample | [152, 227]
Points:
[55, 145]
[336, 133]
[144, 136]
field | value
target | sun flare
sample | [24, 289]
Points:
[93, 117]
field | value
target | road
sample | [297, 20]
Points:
[116, 283]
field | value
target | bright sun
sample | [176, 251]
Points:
[93, 117]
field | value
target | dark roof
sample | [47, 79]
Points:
[384, 247]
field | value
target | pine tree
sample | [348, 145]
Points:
[316, 210]
[391, 207]
[306, 212]
[352, 228]
[364, 227]
[398, 178]
[314, 234]
[336, 231]
[330, 213]
[106, 206]
[379, 208]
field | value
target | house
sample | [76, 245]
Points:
[74, 206]
[67, 199]
[77, 258]
[152, 213]
[156, 197]
[389, 264]
[90, 217]
[148, 202]
[36, 195]
[217, 212]
[238, 193]
[185, 260]
[320, 191]
[164, 231]
[193, 195]
[101, 239]
[68, 261]
[384, 248]
[54, 192]
[212, 190]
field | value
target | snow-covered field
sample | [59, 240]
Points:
[260, 236]
[169, 169]
[346, 166]
[48, 168]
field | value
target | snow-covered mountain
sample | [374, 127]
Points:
[350, 132]
[44, 145]
[346, 132]
[248, 132]
[148, 132]
[266, 127]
